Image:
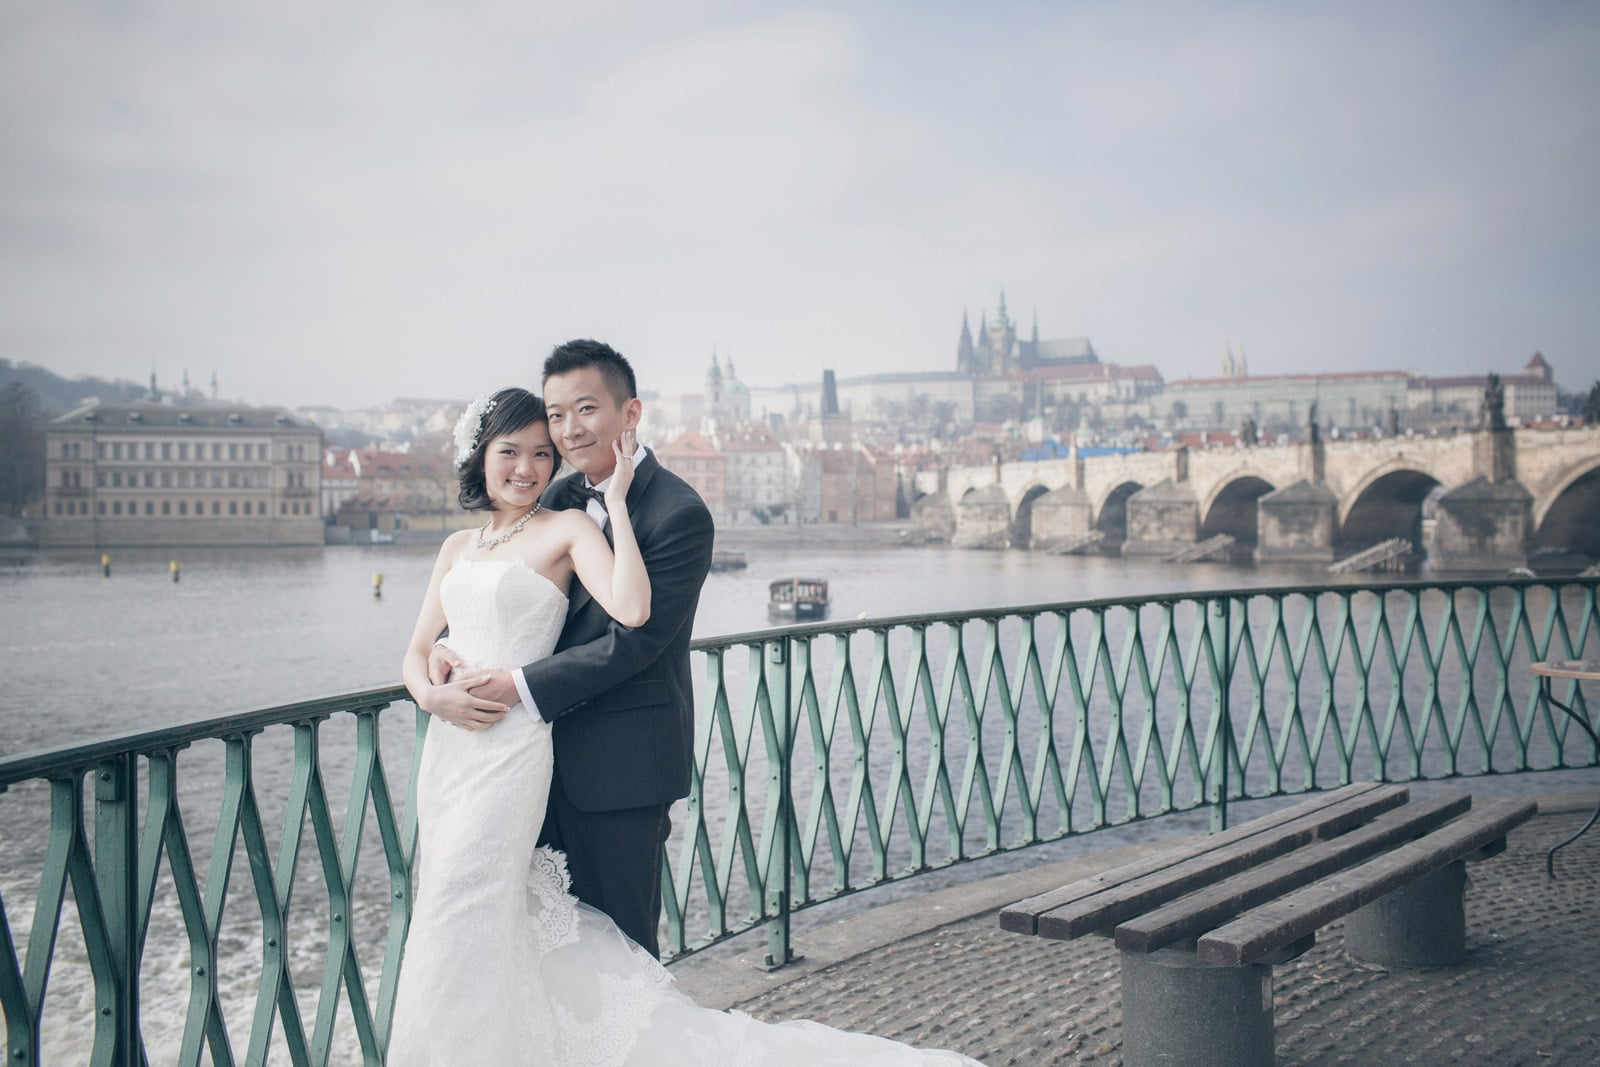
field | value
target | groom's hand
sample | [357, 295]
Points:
[496, 686]
[442, 663]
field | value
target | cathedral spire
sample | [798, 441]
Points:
[964, 349]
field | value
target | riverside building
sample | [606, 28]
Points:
[162, 474]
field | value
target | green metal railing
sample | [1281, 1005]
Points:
[829, 759]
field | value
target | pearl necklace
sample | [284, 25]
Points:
[489, 543]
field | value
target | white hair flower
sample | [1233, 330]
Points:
[469, 426]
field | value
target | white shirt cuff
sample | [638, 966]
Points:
[520, 680]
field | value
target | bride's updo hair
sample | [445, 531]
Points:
[512, 409]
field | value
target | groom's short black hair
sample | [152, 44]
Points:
[512, 410]
[613, 366]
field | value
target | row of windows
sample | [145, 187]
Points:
[167, 507]
[234, 450]
[185, 479]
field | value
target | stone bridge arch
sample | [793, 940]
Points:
[1389, 503]
[1231, 506]
[1564, 516]
[1022, 515]
[1349, 499]
[1110, 511]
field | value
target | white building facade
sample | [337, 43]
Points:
[154, 474]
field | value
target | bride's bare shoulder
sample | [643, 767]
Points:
[454, 546]
[571, 519]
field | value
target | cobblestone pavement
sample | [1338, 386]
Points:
[1527, 993]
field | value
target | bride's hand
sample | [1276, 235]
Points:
[442, 663]
[455, 703]
[623, 448]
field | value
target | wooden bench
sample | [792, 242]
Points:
[1200, 926]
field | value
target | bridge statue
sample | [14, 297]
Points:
[1493, 413]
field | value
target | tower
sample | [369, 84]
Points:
[713, 401]
[1002, 340]
[964, 349]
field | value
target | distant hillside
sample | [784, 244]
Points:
[58, 394]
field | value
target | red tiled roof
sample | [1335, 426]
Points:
[335, 466]
[750, 439]
[1143, 370]
[689, 443]
[375, 462]
[1097, 372]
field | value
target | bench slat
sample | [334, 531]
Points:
[1191, 915]
[1105, 910]
[1292, 917]
[1104, 899]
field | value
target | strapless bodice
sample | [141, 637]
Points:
[501, 612]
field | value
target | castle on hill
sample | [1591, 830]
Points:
[998, 350]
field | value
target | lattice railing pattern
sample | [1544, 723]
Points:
[229, 920]
[835, 758]
[829, 759]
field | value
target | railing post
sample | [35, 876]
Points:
[779, 951]
[116, 836]
[1221, 749]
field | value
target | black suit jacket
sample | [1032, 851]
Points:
[621, 700]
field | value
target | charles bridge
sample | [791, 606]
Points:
[1487, 499]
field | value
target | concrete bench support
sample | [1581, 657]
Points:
[1178, 1011]
[1421, 924]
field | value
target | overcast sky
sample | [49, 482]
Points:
[343, 203]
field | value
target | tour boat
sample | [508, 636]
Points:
[798, 598]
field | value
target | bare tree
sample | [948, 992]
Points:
[21, 448]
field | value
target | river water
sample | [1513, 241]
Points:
[84, 656]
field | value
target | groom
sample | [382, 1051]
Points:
[621, 701]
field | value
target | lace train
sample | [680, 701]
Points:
[613, 1005]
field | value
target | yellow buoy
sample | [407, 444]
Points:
[377, 583]
[174, 566]
[105, 564]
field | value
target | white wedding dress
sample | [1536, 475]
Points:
[502, 965]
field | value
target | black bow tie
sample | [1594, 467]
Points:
[579, 494]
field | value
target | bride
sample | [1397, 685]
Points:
[502, 966]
